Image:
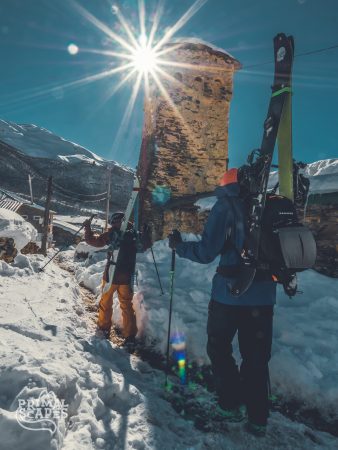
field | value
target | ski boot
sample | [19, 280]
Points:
[255, 430]
[230, 415]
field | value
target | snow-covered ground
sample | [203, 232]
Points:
[304, 364]
[114, 400]
[47, 342]
[12, 225]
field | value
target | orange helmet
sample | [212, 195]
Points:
[229, 177]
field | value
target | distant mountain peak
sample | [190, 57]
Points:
[39, 142]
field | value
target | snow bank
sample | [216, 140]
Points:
[304, 358]
[113, 399]
[14, 226]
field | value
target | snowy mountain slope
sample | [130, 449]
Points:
[323, 176]
[79, 176]
[114, 400]
[39, 142]
[322, 167]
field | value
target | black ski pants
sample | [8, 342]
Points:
[249, 385]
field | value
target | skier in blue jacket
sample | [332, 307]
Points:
[249, 315]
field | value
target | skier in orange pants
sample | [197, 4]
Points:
[122, 281]
[125, 295]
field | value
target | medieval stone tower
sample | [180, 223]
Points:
[185, 136]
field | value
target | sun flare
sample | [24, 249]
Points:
[143, 55]
[145, 59]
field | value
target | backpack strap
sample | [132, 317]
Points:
[231, 232]
[263, 271]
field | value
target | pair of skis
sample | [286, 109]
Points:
[276, 126]
[124, 225]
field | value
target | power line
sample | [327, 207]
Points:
[310, 52]
[65, 191]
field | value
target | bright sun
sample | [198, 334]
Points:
[144, 58]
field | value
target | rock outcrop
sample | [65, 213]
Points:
[185, 136]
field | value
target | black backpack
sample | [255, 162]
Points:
[286, 246]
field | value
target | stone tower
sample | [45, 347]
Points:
[185, 136]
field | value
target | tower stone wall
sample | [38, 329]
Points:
[185, 136]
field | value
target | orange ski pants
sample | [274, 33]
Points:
[125, 296]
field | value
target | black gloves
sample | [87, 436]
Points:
[87, 223]
[175, 238]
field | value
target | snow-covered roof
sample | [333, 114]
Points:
[14, 226]
[12, 201]
[7, 215]
[78, 220]
[73, 229]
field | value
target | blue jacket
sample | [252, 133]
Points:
[220, 224]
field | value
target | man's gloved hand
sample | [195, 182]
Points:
[87, 223]
[175, 238]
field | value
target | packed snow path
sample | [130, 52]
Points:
[114, 398]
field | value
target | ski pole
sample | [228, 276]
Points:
[62, 248]
[158, 275]
[172, 275]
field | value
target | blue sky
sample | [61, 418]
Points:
[35, 64]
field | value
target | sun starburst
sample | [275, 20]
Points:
[140, 57]
[145, 59]
[141, 54]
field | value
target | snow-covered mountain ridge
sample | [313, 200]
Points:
[323, 176]
[79, 175]
[39, 142]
